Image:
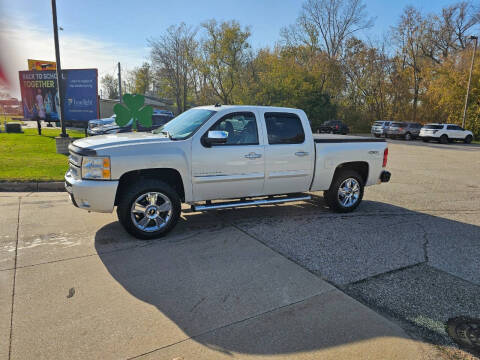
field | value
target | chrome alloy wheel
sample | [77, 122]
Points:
[151, 211]
[349, 192]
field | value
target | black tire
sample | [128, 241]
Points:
[425, 140]
[408, 136]
[331, 196]
[444, 139]
[377, 135]
[135, 191]
[468, 139]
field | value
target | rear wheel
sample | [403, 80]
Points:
[377, 135]
[408, 136]
[149, 209]
[468, 139]
[444, 139]
[346, 191]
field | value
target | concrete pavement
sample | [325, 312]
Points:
[82, 288]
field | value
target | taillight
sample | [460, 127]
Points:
[385, 157]
[336, 127]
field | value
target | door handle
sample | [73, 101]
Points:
[301, 153]
[253, 155]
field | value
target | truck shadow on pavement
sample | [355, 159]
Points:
[218, 280]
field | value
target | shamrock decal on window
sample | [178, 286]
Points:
[133, 110]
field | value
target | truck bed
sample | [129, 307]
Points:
[331, 138]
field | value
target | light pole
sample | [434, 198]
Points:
[475, 39]
[59, 70]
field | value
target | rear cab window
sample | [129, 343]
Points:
[284, 128]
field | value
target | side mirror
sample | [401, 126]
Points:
[216, 137]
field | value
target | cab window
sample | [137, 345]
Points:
[241, 128]
[284, 128]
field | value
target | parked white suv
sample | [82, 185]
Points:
[445, 133]
[379, 128]
[209, 155]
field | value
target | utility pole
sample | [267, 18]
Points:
[474, 38]
[59, 70]
[119, 82]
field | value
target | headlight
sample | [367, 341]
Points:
[96, 168]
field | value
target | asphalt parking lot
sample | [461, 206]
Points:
[276, 280]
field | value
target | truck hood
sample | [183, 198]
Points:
[120, 139]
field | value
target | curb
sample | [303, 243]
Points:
[15, 186]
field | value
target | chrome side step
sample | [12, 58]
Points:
[226, 205]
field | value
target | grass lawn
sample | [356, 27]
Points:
[28, 156]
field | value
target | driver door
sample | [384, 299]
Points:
[232, 170]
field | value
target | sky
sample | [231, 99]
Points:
[98, 34]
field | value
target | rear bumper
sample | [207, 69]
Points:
[385, 176]
[92, 195]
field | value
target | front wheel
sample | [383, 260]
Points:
[149, 209]
[346, 191]
[468, 139]
[408, 136]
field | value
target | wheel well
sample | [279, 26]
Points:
[359, 166]
[171, 176]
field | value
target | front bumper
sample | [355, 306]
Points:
[92, 195]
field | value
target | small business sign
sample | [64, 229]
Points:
[40, 95]
[41, 65]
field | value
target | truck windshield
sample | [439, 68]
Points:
[185, 124]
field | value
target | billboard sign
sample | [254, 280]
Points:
[41, 65]
[40, 96]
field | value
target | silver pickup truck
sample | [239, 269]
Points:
[216, 157]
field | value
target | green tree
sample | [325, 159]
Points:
[141, 79]
[224, 57]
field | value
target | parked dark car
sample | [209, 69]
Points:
[158, 120]
[405, 130]
[333, 127]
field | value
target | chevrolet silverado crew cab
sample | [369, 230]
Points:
[216, 157]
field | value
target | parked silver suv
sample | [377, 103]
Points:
[405, 130]
[380, 127]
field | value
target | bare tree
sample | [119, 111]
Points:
[110, 86]
[173, 58]
[327, 24]
[447, 32]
